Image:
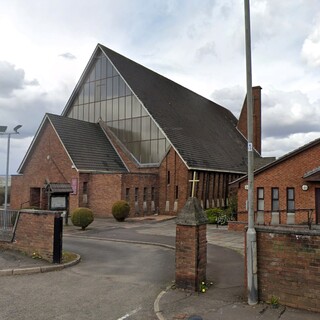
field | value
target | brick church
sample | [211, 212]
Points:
[129, 133]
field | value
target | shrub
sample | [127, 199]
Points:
[217, 216]
[82, 217]
[213, 214]
[120, 210]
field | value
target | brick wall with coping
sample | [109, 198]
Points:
[34, 234]
[289, 266]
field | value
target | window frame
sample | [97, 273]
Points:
[291, 200]
[259, 199]
[275, 203]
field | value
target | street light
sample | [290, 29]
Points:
[3, 132]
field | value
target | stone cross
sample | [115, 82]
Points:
[194, 181]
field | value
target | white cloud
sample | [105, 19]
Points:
[198, 46]
[311, 47]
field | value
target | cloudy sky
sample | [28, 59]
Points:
[45, 46]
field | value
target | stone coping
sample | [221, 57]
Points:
[288, 230]
[39, 212]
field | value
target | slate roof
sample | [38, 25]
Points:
[87, 145]
[201, 131]
[59, 188]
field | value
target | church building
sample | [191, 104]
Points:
[129, 133]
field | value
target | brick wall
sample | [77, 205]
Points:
[191, 256]
[289, 266]
[288, 173]
[50, 162]
[242, 123]
[34, 234]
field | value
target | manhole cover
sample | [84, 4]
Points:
[195, 318]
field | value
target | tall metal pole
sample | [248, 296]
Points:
[252, 277]
[6, 186]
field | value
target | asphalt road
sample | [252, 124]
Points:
[114, 281]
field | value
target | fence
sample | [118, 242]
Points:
[8, 220]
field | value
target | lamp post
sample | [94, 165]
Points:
[3, 132]
[252, 272]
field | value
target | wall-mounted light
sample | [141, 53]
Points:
[304, 187]
[246, 187]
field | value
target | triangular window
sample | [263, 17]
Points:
[105, 95]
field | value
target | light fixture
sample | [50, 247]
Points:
[304, 187]
[3, 132]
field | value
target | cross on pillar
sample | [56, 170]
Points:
[194, 181]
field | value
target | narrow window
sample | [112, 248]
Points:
[275, 199]
[290, 200]
[85, 187]
[177, 193]
[127, 194]
[168, 177]
[145, 190]
[136, 194]
[153, 195]
[260, 199]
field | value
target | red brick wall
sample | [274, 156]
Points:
[242, 124]
[289, 266]
[34, 234]
[285, 174]
[48, 161]
[141, 181]
[178, 177]
[103, 191]
[191, 256]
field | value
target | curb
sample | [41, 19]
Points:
[156, 305]
[41, 269]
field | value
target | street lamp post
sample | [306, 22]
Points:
[3, 132]
[252, 272]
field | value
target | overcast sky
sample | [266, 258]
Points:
[45, 46]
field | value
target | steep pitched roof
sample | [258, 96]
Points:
[202, 132]
[86, 144]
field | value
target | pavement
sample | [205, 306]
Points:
[225, 296]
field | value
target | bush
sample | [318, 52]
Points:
[82, 217]
[217, 216]
[213, 214]
[120, 210]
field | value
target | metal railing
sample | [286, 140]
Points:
[8, 219]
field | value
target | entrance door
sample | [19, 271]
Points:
[317, 205]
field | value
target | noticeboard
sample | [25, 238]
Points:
[58, 202]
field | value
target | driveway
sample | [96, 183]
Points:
[113, 281]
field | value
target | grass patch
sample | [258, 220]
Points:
[68, 257]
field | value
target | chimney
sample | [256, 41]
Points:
[242, 123]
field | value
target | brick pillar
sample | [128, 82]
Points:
[191, 246]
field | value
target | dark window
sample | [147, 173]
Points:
[145, 192]
[153, 194]
[177, 192]
[127, 194]
[290, 200]
[85, 187]
[136, 194]
[275, 199]
[168, 177]
[260, 199]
